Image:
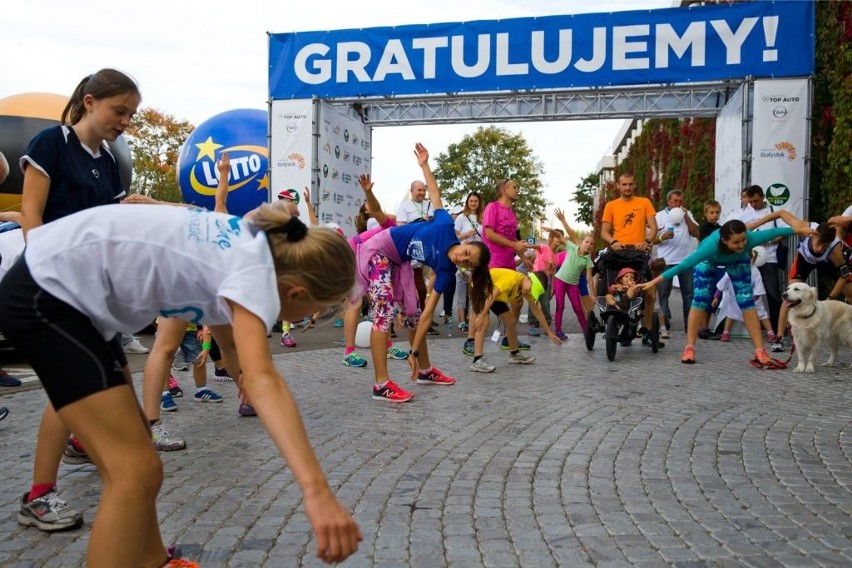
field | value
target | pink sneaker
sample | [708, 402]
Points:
[287, 340]
[435, 377]
[726, 336]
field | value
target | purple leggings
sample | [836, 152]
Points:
[560, 290]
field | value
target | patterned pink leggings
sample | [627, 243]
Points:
[560, 290]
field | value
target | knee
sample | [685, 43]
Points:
[141, 473]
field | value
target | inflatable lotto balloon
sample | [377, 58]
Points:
[21, 118]
[242, 134]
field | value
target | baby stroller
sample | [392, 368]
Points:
[620, 323]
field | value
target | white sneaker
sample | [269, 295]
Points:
[133, 346]
[162, 441]
[521, 358]
[524, 318]
[480, 366]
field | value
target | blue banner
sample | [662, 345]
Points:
[674, 45]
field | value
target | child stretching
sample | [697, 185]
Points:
[577, 261]
[712, 214]
[508, 286]
[730, 311]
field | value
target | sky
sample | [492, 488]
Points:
[194, 60]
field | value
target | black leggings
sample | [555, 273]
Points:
[69, 355]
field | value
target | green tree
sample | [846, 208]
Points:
[483, 158]
[584, 199]
[155, 141]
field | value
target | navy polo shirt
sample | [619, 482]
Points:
[79, 179]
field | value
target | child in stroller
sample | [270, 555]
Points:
[623, 290]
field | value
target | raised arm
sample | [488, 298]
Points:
[431, 184]
[312, 215]
[371, 199]
[224, 167]
[572, 234]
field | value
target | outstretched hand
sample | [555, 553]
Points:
[365, 182]
[224, 164]
[803, 228]
[559, 214]
[337, 534]
[422, 154]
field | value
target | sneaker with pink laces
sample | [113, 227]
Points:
[435, 377]
[287, 340]
[390, 392]
[174, 387]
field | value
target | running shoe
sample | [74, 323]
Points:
[7, 380]
[467, 349]
[726, 336]
[48, 513]
[480, 366]
[688, 355]
[521, 359]
[287, 340]
[354, 360]
[167, 403]
[4, 412]
[390, 392]
[338, 323]
[463, 327]
[504, 345]
[207, 395]
[762, 357]
[246, 409]
[647, 341]
[435, 377]
[561, 335]
[777, 346]
[72, 456]
[221, 374]
[397, 354]
[534, 331]
[665, 334]
[132, 345]
[163, 441]
[178, 363]
[174, 388]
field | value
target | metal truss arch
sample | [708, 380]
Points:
[663, 101]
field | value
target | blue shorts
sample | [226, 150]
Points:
[190, 347]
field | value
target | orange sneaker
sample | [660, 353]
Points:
[688, 355]
[181, 563]
[762, 357]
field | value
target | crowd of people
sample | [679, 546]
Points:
[71, 289]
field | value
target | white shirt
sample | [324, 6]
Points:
[123, 264]
[728, 307]
[749, 214]
[11, 247]
[466, 223]
[674, 250]
[848, 212]
[410, 211]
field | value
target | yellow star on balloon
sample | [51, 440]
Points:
[263, 183]
[207, 149]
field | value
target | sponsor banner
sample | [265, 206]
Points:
[291, 151]
[345, 150]
[780, 143]
[729, 153]
[674, 45]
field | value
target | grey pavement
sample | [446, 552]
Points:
[570, 461]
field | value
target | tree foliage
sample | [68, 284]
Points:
[831, 143]
[483, 158]
[155, 141]
[584, 199]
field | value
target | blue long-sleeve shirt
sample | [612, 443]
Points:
[709, 249]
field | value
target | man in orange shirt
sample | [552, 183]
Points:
[631, 220]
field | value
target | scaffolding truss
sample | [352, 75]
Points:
[663, 101]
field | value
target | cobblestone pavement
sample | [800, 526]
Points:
[570, 461]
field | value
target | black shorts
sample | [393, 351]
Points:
[499, 308]
[67, 352]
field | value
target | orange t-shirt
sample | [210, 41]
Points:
[628, 219]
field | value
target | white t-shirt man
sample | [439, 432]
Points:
[410, 211]
[674, 250]
[750, 214]
[132, 262]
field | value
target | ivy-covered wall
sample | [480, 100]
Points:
[680, 153]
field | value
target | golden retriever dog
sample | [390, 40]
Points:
[816, 324]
